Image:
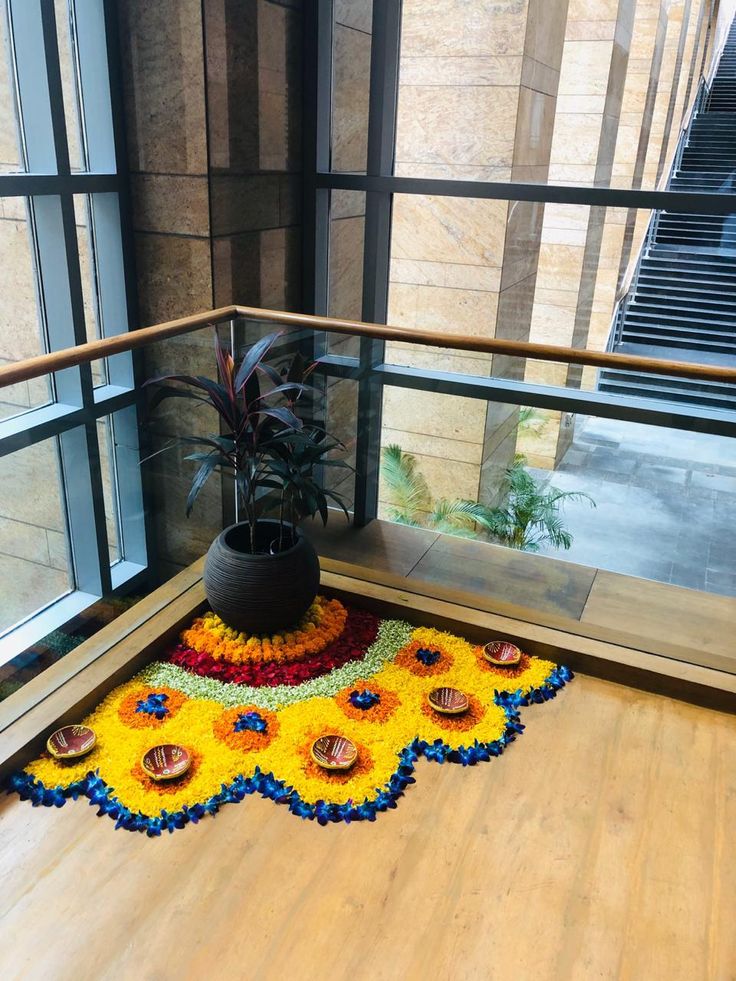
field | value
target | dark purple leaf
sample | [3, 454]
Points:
[254, 356]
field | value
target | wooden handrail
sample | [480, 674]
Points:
[46, 363]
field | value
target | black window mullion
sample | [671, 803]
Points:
[384, 80]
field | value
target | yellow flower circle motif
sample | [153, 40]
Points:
[245, 740]
[322, 624]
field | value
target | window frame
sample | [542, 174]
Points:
[49, 186]
[379, 184]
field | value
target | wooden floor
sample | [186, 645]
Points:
[601, 845]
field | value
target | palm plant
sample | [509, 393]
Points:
[532, 515]
[263, 445]
[530, 518]
[411, 499]
[531, 421]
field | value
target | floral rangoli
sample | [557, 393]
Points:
[248, 709]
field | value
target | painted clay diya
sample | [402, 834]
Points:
[448, 701]
[334, 752]
[166, 762]
[70, 742]
[503, 653]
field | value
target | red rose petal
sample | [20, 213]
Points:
[360, 631]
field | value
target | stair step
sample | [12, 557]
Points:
[643, 313]
[694, 300]
[694, 303]
[683, 304]
[670, 382]
[718, 265]
[692, 395]
[696, 285]
[672, 269]
[688, 343]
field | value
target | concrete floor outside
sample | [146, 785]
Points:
[665, 503]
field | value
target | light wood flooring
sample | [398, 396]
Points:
[601, 845]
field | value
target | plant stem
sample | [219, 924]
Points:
[281, 519]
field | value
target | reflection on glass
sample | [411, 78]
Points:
[105, 436]
[65, 12]
[351, 40]
[640, 500]
[515, 270]
[345, 300]
[11, 158]
[88, 271]
[658, 284]
[21, 334]
[341, 412]
[34, 550]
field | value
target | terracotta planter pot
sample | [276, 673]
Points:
[260, 593]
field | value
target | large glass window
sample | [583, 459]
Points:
[519, 177]
[70, 499]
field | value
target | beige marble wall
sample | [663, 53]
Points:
[477, 93]
[657, 134]
[33, 547]
[617, 107]
[20, 328]
[577, 92]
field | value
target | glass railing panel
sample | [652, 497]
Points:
[553, 274]
[641, 500]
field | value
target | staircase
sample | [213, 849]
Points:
[682, 302]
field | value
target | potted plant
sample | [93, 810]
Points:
[262, 573]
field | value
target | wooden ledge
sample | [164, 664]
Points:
[639, 614]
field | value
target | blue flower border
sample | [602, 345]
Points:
[100, 794]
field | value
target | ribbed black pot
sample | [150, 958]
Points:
[260, 593]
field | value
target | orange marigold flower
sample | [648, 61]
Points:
[501, 672]
[322, 624]
[129, 714]
[385, 707]
[421, 658]
[244, 739]
[456, 723]
[362, 765]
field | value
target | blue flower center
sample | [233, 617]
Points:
[364, 699]
[250, 722]
[428, 657]
[153, 704]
